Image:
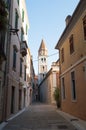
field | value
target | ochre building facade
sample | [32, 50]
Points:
[72, 50]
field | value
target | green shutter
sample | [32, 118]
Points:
[18, 2]
[22, 35]
[22, 15]
[16, 19]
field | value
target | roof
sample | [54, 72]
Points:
[76, 15]
[42, 46]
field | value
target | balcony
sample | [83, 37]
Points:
[23, 48]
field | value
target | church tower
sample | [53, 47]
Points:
[42, 61]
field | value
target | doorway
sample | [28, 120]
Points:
[12, 99]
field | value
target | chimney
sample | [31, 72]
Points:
[67, 20]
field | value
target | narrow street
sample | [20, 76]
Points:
[39, 117]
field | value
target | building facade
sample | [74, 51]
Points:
[72, 51]
[35, 89]
[42, 61]
[16, 80]
[49, 84]
[16, 72]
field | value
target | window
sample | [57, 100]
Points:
[18, 2]
[63, 89]
[16, 19]
[73, 85]
[26, 29]
[22, 15]
[71, 42]
[14, 58]
[84, 26]
[43, 68]
[21, 67]
[12, 99]
[25, 73]
[22, 33]
[42, 59]
[43, 75]
[62, 55]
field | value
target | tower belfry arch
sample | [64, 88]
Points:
[42, 61]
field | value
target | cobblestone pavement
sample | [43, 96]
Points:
[39, 117]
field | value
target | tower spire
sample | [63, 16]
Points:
[42, 61]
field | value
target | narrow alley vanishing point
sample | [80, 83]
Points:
[39, 117]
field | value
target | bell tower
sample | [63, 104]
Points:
[42, 61]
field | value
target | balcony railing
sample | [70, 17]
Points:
[23, 48]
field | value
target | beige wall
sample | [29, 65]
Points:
[79, 45]
[13, 76]
[45, 90]
[47, 87]
[77, 107]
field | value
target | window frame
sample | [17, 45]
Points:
[62, 55]
[71, 43]
[14, 58]
[16, 19]
[45, 60]
[21, 67]
[42, 60]
[18, 2]
[63, 88]
[22, 15]
[25, 73]
[73, 86]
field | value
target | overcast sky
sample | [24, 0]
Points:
[47, 21]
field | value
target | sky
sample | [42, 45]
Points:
[47, 21]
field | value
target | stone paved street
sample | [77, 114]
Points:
[39, 117]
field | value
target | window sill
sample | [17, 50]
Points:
[74, 101]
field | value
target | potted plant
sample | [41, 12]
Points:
[57, 96]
